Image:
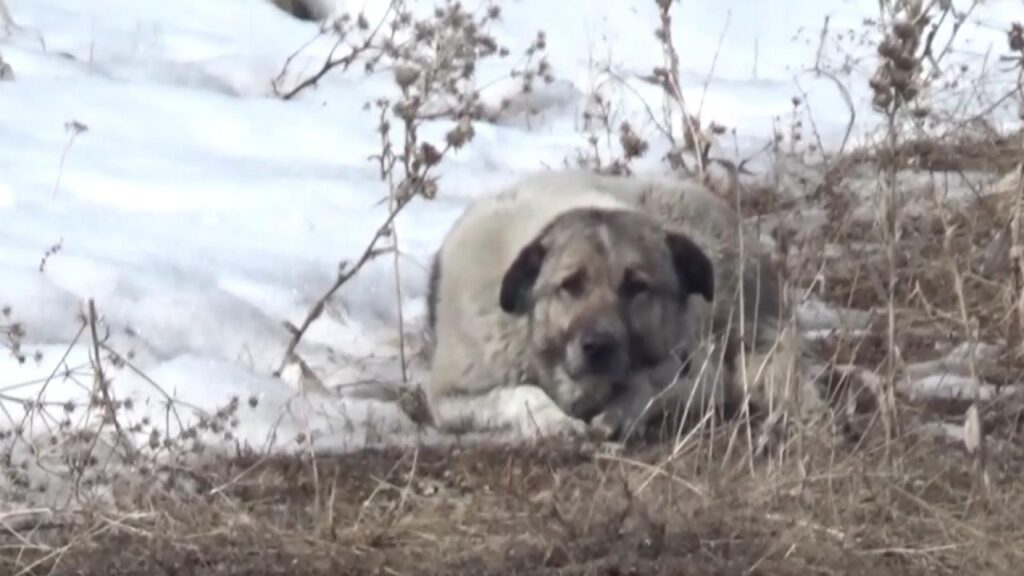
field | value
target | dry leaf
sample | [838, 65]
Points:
[972, 429]
[297, 373]
[997, 255]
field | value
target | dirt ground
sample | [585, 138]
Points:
[910, 507]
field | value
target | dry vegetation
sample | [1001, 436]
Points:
[919, 233]
[550, 510]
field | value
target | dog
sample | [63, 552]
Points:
[569, 301]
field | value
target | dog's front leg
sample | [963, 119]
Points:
[523, 409]
[685, 387]
[637, 402]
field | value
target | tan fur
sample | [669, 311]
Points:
[489, 368]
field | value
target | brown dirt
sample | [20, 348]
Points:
[557, 510]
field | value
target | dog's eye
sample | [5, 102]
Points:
[634, 285]
[573, 284]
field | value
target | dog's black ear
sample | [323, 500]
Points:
[694, 268]
[520, 278]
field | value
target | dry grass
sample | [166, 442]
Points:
[549, 509]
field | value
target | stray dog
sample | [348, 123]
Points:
[573, 298]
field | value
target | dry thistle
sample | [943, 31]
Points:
[462, 133]
[406, 76]
[429, 155]
[896, 80]
[435, 60]
[633, 146]
[1015, 37]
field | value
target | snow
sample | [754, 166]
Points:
[200, 213]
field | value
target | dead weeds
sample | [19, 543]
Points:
[556, 510]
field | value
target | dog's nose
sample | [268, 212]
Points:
[599, 348]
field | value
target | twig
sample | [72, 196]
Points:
[821, 43]
[847, 99]
[97, 529]
[714, 62]
[171, 401]
[330, 63]
[396, 264]
[276, 82]
[76, 128]
[345, 273]
[50, 252]
[672, 84]
[103, 385]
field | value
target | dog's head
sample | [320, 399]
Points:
[606, 294]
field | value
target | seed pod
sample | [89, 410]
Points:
[880, 82]
[904, 62]
[406, 76]
[889, 48]
[905, 30]
[882, 100]
[900, 79]
[1016, 37]
[430, 155]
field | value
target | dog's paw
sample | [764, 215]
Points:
[539, 417]
[553, 423]
[616, 425]
[607, 425]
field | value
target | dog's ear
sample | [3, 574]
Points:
[520, 278]
[694, 268]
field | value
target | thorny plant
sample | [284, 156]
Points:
[686, 137]
[954, 243]
[598, 118]
[680, 127]
[434, 64]
[75, 445]
[905, 53]
[13, 334]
